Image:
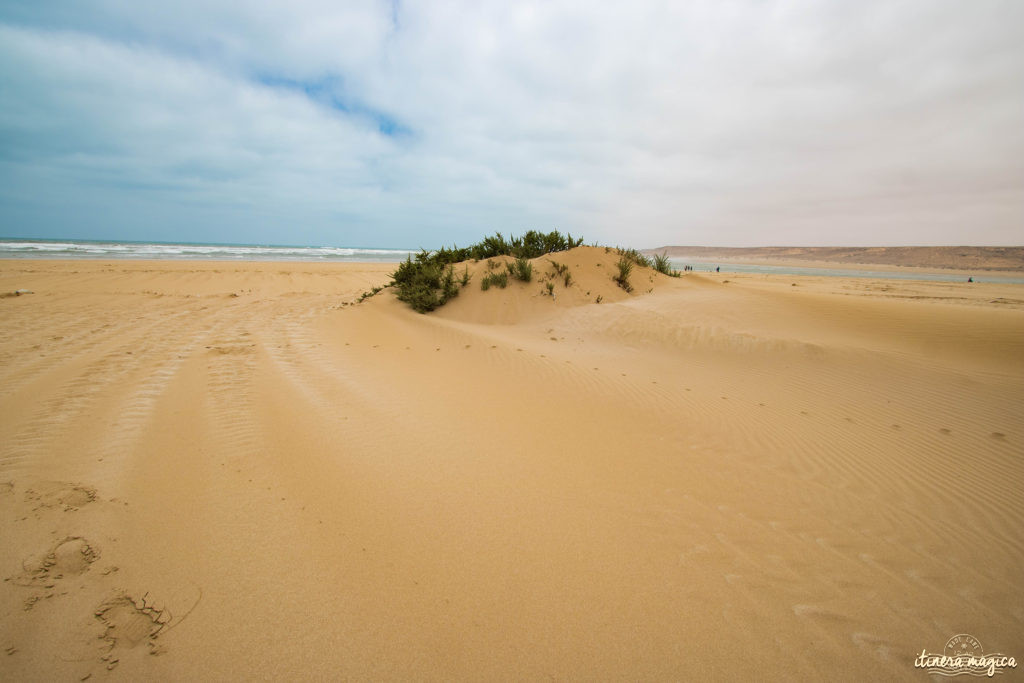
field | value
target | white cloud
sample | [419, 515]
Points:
[713, 122]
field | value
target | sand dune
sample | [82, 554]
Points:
[231, 471]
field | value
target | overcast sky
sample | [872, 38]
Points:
[401, 124]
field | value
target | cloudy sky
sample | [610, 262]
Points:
[408, 124]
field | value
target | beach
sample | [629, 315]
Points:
[235, 470]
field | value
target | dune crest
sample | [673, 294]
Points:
[590, 271]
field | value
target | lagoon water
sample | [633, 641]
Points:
[705, 266]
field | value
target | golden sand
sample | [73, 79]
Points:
[222, 471]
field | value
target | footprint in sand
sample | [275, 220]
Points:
[69, 557]
[67, 496]
[129, 623]
[994, 435]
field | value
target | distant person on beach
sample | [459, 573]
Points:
[718, 269]
[970, 279]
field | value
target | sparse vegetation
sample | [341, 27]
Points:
[497, 279]
[551, 289]
[521, 269]
[367, 295]
[634, 256]
[663, 265]
[562, 270]
[625, 266]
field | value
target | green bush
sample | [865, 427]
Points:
[625, 266]
[530, 245]
[428, 280]
[662, 264]
[424, 284]
[522, 270]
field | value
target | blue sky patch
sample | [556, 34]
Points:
[329, 92]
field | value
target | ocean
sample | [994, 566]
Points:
[95, 249]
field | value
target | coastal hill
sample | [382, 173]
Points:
[959, 258]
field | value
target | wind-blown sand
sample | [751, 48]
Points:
[218, 471]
